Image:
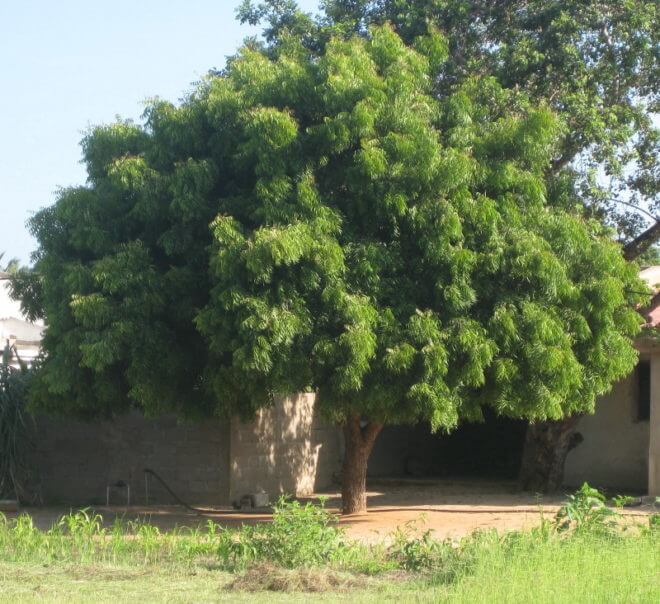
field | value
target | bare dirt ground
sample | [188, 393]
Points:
[448, 508]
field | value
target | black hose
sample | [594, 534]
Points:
[190, 507]
[171, 492]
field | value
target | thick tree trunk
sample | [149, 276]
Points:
[358, 444]
[544, 455]
[635, 248]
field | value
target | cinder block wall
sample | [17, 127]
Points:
[76, 460]
[287, 448]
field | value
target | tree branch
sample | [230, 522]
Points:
[364, 435]
[370, 432]
[634, 207]
[635, 248]
[559, 164]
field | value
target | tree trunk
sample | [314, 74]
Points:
[358, 444]
[544, 455]
[635, 248]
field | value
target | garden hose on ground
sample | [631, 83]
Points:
[181, 502]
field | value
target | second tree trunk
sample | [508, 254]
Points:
[544, 455]
[359, 441]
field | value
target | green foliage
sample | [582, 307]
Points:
[548, 564]
[651, 257]
[518, 571]
[594, 63]
[8, 266]
[416, 550]
[621, 501]
[81, 537]
[389, 249]
[586, 511]
[299, 535]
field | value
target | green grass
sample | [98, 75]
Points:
[589, 559]
[580, 569]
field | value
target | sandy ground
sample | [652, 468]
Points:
[448, 508]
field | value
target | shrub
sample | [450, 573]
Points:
[305, 537]
[416, 550]
[586, 511]
[299, 535]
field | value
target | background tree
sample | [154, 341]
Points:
[595, 63]
[391, 251]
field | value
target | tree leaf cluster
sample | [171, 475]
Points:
[594, 62]
[323, 220]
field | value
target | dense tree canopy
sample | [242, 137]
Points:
[594, 62]
[322, 220]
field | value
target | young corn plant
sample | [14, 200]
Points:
[86, 532]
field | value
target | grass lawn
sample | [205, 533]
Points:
[581, 570]
[303, 556]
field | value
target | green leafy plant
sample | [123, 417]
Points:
[603, 61]
[415, 549]
[8, 266]
[586, 511]
[594, 64]
[84, 528]
[305, 538]
[621, 501]
[299, 535]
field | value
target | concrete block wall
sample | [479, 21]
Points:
[75, 460]
[287, 449]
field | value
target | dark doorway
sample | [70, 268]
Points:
[491, 449]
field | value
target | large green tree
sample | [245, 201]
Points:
[320, 219]
[594, 62]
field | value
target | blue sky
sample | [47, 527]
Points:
[69, 64]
